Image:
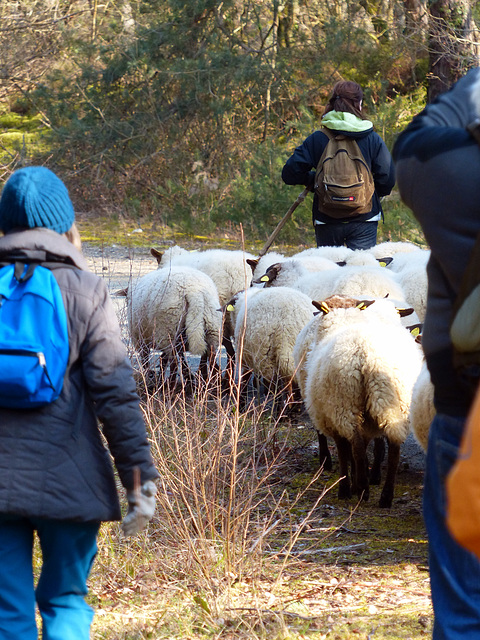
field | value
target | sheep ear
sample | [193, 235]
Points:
[364, 304]
[322, 307]
[342, 263]
[264, 278]
[403, 312]
[384, 262]
[416, 330]
[253, 262]
[158, 255]
[121, 292]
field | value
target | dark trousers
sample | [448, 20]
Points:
[355, 235]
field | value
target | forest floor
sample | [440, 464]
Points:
[329, 569]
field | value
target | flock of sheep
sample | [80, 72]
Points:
[336, 329]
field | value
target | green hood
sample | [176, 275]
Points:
[344, 121]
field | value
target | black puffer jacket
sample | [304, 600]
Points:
[438, 168]
[53, 462]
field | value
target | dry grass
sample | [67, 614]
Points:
[249, 540]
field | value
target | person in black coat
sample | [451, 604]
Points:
[437, 163]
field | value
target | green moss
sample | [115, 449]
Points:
[20, 122]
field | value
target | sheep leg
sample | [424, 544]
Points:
[203, 366]
[344, 455]
[324, 452]
[146, 374]
[378, 457]
[144, 353]
[393, 459]
[181, 366]
[230, 366]
[208, 365]
[360, 475]
[245, 376]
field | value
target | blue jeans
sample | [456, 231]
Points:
[355, 235]
[454, 571]
[68, 551]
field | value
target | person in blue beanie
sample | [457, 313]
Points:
[437, 161]
[343, 115]
[56, 476]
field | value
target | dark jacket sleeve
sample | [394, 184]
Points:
[434, 128]
[111, 387]
[298, 168]
[382, 166]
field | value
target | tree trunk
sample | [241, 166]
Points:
[453, 44]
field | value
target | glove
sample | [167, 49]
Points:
[141, 507]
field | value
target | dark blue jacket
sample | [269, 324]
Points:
[300, 168]
[438, 170]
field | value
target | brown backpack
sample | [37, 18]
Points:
[343, 180]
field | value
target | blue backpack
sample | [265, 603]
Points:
[34, 346]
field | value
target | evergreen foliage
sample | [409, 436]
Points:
[186, 111]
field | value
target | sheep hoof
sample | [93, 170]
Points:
[385, 501]
[363, 494]
[326, 463]
[344, 491]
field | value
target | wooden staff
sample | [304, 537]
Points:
[282, 222]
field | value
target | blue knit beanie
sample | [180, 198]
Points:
[35, 197]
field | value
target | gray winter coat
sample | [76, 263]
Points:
[53, 461]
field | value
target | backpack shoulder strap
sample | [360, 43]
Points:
[332, 135]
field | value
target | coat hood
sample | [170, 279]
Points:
[344, 121]
[43, 245]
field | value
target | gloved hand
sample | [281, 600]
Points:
[141, 507]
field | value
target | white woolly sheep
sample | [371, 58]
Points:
[411, 260]
[414, 283]
[422, 410]
[359, 372]
[313, 264]
[349, 281]
[364, 258]
[289, 271]
[174, 310]
[392, 248]
[335, 254]
[228, 269]
[266, 327]
[260, 265]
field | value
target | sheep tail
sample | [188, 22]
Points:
[195, 323]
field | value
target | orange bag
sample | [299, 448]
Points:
[463, 485]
